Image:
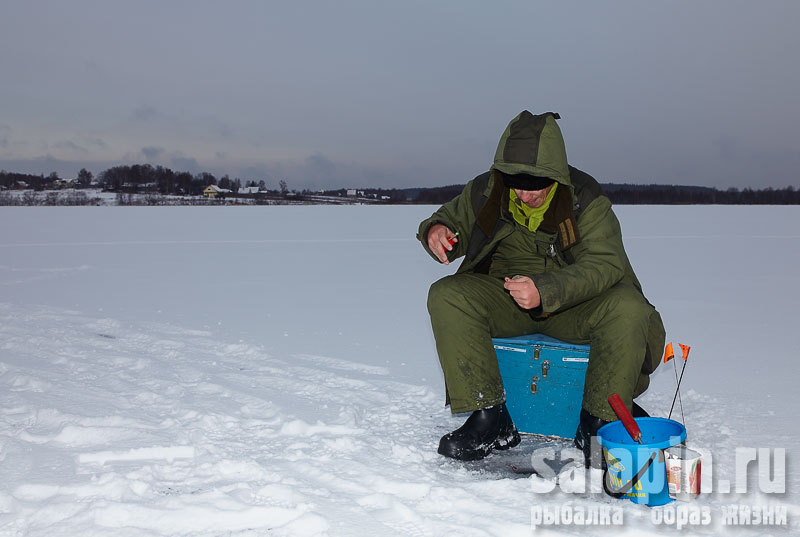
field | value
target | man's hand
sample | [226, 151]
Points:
[440, 241]
[523, 291]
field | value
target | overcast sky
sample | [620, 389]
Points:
[403, 93]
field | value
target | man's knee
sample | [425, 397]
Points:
[626, 304]
[465, 292]
[441, 292]
[630, 317]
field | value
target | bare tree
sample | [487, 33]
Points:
[84, 178]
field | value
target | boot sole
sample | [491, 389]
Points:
[501, 444]
[509, 442]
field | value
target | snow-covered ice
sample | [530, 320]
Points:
[270, 371]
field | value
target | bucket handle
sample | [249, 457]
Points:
[630, 484]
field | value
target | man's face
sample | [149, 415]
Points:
[533, 198]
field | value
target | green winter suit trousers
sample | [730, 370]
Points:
[467, 310]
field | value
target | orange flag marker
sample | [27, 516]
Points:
[669, 354]
[685, 350]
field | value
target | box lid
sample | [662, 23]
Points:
[540, 339]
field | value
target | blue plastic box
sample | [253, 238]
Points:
[543, 379]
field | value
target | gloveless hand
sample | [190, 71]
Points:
[524, 291]
[440, 241]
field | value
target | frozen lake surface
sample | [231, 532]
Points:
[271, 371]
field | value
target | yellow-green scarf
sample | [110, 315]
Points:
[526, 216]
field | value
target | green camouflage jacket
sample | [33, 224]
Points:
[580, 234]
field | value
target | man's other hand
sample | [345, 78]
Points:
[440, 241]
[523, 291]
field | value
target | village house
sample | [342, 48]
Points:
[63, 183]
[250, 190]
[213, 191]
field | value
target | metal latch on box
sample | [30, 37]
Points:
[545, 369]
[537, 350]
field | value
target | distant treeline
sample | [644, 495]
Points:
[625, 194]
[158, 180]
[134, 178]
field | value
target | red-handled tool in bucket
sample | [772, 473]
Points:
[625, 417]
[661, 434]
[633, 429]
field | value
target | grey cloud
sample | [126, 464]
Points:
[320, 165]
[186, 164]
[318, 171]
[152, 153]
[269, 174]
[161, 156]
[97, 142]
[81, 145]
[5, 132]
[726, 146]
[222, 129]
[145, 113]
[94, 68]
[69, 145]
[46, 164]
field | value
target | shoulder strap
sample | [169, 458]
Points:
[565, 218]
[479, 185]
[587, 189]
[487, 210]
[487, 219]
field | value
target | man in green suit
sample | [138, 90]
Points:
[543, 253]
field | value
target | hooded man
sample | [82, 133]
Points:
[543, 253]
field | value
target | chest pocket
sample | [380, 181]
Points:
[547, 245]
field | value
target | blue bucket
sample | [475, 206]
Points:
[636, 469]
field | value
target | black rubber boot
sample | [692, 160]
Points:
[587, 429]
[585, 439]
[639, 412]
[485, 430]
